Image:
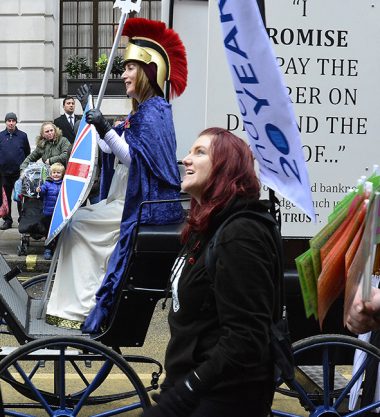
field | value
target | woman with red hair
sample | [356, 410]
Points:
[218, 361]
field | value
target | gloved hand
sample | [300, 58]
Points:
[102, 125]
[178, 401]
[82, 95]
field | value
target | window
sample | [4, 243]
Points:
[88, 27]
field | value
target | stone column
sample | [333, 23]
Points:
[28, 61]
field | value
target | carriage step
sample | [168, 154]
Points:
[312, 376]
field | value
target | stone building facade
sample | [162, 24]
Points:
[29, 65]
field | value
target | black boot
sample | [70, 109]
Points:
[6, 225]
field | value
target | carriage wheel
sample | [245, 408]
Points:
[69, 376]
[35, 286]
[324, 388]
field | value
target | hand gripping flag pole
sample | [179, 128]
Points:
[126, 6]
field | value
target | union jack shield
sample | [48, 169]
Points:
[79, 176]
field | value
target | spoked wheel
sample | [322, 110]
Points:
[35, 286]
[326, 383]
[69, 376]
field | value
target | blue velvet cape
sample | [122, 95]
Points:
[153, 175]
[106, 173]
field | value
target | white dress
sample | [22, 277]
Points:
[88, 242]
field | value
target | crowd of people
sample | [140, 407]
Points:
[52, 148]
[53, 145]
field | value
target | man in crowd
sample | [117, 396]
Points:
[67, 121]
[14, 148]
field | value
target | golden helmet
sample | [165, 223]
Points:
[151, 41]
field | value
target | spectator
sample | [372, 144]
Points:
[51, 147]
[219, 361]
[68, 119]
[49, 192]
[14, 148]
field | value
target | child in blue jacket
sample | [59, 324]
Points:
[49, 191]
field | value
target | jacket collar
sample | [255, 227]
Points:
[238, 204]
[13, 133]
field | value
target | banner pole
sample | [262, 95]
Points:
[107, 73]
[275, 211]
[261, 4]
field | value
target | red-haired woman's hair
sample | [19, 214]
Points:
[232, 174]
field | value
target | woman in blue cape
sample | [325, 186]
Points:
[146, 144]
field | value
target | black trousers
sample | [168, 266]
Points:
[8, 184]
[46, 220]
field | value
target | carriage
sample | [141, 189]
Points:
[61, 372]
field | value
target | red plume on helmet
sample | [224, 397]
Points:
[169, 40]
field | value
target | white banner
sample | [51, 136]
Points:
[264, 103]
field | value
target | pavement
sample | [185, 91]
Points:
[31, 264]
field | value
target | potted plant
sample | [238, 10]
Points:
[117, 65]
[76, 66]
[101, 64]
[79, 72]
[115, 85]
